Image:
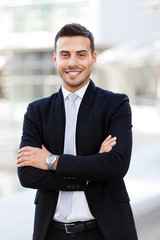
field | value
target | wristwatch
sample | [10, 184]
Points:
[50, 161]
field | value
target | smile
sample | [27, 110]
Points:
[73, 74]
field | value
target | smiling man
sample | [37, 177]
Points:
[74, 60]
[68, 153]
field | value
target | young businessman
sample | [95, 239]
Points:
[68, 153]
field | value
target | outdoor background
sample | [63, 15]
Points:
[127, 38]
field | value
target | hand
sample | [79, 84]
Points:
[108, 144]
[34, 157]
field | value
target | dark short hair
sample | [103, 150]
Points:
[75, 29]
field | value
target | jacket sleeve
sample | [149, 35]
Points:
[104, 166]
[35, 178]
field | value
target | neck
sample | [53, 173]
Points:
[73, 89]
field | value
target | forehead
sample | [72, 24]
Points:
[75, 43]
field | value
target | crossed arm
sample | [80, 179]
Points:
[36, 157]
[104, 166]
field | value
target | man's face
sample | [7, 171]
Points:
[74, 61]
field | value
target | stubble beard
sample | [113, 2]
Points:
[79, 83]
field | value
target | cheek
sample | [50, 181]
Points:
[61, 64]
[86, 64]
[89, 65]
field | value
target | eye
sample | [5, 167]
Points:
[81, 55]
[64, 54]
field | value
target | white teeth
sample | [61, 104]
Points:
[73, 73]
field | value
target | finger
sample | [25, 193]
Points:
[22, 154]
[113, 143]
[108, 149]
[18, 156]
[24, 164]
[109, 137]
[113, 139]
[109, 141]
[43, 147]
[24, 149]
[23, 159]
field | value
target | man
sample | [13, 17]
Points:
[68, 153]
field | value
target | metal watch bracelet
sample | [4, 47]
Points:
[50, 161]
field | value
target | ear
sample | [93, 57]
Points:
[94, 57]
[54, 58]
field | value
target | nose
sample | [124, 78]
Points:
[72, 61]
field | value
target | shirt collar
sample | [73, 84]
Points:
[79, 92]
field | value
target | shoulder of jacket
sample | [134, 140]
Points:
[44, 101]
[111, 95]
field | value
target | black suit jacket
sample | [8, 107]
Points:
[100, 176]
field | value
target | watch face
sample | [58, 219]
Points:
[52, 158]
[50, 161]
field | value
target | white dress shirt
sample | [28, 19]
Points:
[80, 209]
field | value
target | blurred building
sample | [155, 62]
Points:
[28, 28]
[27, 36]
[134, 68]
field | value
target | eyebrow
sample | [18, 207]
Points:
[79, 51]
[82, 51]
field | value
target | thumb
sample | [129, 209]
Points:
[43, 147]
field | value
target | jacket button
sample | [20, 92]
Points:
[69, 187]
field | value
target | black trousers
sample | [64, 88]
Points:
[57, 234]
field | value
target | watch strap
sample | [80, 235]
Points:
[50, 161]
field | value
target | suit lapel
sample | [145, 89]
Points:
[83, 118]
[59, 118]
